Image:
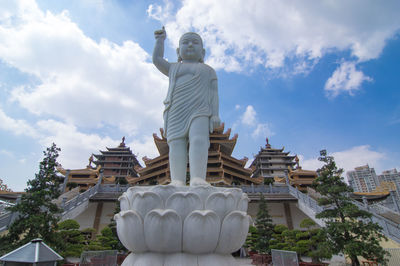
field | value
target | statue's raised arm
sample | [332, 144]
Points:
[158, 53]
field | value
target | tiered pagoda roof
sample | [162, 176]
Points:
[117, 162]
[271, 163]
[114, 162]
[84, 178]
[222, 168]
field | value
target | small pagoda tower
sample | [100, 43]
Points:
[117, 162]
[271, 163]
[222, 168]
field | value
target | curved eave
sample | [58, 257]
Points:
[370, 196]
[161, 143]
[84, 171]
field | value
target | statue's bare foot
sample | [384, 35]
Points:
[177, 183]
[197, 181]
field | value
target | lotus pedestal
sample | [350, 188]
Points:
[174, 225]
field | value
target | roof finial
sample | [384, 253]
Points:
[90, 161]
[122, 144]
[296, 158]
[267, 145]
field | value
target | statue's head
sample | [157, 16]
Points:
[191, 48]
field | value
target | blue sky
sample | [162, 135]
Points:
[308, 75]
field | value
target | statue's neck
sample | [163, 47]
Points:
[189, 61]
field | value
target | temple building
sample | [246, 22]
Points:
[270, 163]
[300, 178]
[84, 178]
[222, 168]
[117, 162]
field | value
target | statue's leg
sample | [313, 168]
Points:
[199, 143]
[178, 161]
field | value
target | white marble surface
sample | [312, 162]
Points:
[191, 106]
[175, 225]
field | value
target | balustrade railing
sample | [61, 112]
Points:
[5, 220]
[113, 188]
[390, 228]
[79, 199]
[265, 189]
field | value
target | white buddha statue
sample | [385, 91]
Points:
[191, 107]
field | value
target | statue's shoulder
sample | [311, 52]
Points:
[173, 67]
[208, 67]
[210, 70]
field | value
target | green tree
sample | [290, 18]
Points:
[312, 242]
[121, 180]
[251, 239]
[113, 227]
[73, 238]
[264, 227]
[268, 181]
[105, 241]
[38, 216]
[350, 230]
[278, 240]
[4, 187]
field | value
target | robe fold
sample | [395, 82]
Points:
[188, 100]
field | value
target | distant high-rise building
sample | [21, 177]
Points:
[363, 179]
[391, 176]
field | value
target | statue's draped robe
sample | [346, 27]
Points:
[188, 100]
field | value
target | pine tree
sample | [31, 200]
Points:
[264, 228]
[350, 230]
[37, 215]
[314, 245]
[73, 238]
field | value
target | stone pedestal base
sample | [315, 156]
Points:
[177, 225]
[173, 259]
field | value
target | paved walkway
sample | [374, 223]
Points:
[244, 262]
[335, 261]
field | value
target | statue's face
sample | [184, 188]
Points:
[191, 47]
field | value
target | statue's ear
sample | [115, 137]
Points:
[203, 53]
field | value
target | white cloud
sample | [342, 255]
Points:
[249, 116]
[16, 126]
[348, 159]
[269, 33]
[77, 146]
[250, 120]
[7, 153]
[81, 84]
[263, 130]
[346, 78]
[81, 81]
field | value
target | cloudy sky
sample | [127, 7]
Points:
[309, 75]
